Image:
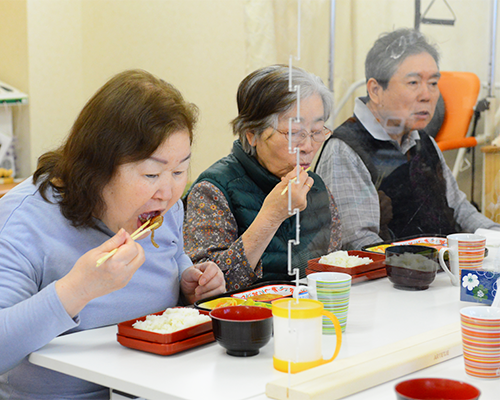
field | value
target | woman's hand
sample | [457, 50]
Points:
[274, 211]
[275, 206]
[202, 280]
[85, 281]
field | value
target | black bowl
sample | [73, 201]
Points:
[411, 267]
[242, 330]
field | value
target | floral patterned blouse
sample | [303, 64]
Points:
[211, 234]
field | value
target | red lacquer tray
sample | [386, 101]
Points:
[360, 273]
[126, 329]
[166, 349]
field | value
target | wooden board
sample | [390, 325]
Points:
[491, 182]
[347, 376]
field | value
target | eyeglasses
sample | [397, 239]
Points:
[299, 137]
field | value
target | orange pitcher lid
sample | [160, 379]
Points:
[297, 308]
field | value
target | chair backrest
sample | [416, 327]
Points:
[460, 91]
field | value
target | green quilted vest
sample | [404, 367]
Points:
[245, 184]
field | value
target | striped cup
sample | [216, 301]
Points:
[481, 341]
[333, 290]
[466, 251]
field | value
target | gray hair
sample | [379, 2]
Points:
[265, 94]
[391, 49]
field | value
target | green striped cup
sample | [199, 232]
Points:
[333, 290]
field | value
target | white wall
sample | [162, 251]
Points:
[74, 46]
[60, 52]
[55, 71]
[196, 45]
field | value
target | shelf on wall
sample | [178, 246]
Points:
[11, 95]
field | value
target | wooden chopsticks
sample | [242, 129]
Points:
[142, 229]
[291, 180]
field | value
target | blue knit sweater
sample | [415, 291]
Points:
[38, 246]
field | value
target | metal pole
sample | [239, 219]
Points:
[331, 60]
[299, 27]
[417, 15]
[493, 48]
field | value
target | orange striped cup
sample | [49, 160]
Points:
[481, 341]
[466, 251]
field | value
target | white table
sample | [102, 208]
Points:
[378, 315]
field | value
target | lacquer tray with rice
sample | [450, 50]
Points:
[375, 269]
[164, 343]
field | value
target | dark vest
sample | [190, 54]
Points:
[245, 184]
[414, 181]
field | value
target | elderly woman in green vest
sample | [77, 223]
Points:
[237, 211]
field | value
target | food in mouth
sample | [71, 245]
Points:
[155, 224]
[150, 222]
[148, 225]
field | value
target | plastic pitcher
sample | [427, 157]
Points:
[297, 334]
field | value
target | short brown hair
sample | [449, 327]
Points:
[125, 121]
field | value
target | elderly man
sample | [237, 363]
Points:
[388, 177]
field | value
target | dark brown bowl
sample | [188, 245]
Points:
[411, 267]
[242, 330]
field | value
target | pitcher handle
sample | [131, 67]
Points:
[338, 334]
[453, 278]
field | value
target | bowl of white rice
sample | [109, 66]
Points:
[171, 325]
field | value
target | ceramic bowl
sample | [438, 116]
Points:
[242, 330]
[411, 267]
[435, 388]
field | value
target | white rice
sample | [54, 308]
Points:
[172, 320]
[343, 259]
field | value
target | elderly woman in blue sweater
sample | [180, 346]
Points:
[125, 162]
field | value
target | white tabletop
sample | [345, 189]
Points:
[378, 315]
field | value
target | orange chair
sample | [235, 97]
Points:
[460, 91]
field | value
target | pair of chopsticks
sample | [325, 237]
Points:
[142, 229]
[291, 180]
